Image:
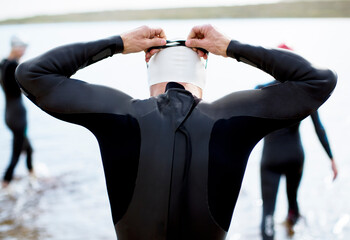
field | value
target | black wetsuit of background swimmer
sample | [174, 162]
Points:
[15, 117]
[174, 164]
[283, 154]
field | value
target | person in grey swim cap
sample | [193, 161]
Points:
[15, 112]
[173, 163]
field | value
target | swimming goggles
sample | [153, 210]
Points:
[177, 43]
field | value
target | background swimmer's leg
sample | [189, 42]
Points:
[27, 148]
[269, 187]
[18, 140]
[293, 178]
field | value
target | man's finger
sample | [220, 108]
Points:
[156, 42]
[160, 33]
[150, 54]
[147, 56]
[193, 43]
[154, 51]
[194, 32]
[202, 54]
[157, 32]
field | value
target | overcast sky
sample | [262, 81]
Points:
[25, 8]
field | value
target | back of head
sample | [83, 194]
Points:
[177, 64]
[284, 46]
[17, 42]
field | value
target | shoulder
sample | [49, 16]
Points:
[144, 107]
[12, 63]
[8, 64]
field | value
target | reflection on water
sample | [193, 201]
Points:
[20, 208]
[23, 205]
[70, 202]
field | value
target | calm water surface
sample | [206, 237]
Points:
[68, 200]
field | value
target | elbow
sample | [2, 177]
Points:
[324, 84]
[24, 73]
[331, 78]
[319, 87]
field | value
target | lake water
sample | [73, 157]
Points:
[69, 200]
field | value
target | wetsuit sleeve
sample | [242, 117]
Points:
[302, 89]
[321, 133]
[46, 80]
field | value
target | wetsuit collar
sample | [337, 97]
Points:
[171, 85]
[178, 86]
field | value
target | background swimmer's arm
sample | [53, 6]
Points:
[321, 133]
[46, 79]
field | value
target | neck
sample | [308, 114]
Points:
[160, 88]
[13, 56]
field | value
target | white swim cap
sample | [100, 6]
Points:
[177, 64]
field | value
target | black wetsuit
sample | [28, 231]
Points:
[15, 117]
[283, 154]
[174, 164]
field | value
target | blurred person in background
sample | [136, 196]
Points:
[15, 112]
[283, 154]
[170, 167]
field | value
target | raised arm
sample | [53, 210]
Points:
[46, 78]
[302, 90]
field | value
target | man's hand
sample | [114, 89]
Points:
[207, 37]
[142, 38]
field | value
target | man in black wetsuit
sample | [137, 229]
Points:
[171, 169]
[15, 112]
[283, 154]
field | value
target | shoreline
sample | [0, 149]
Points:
[302, 9]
